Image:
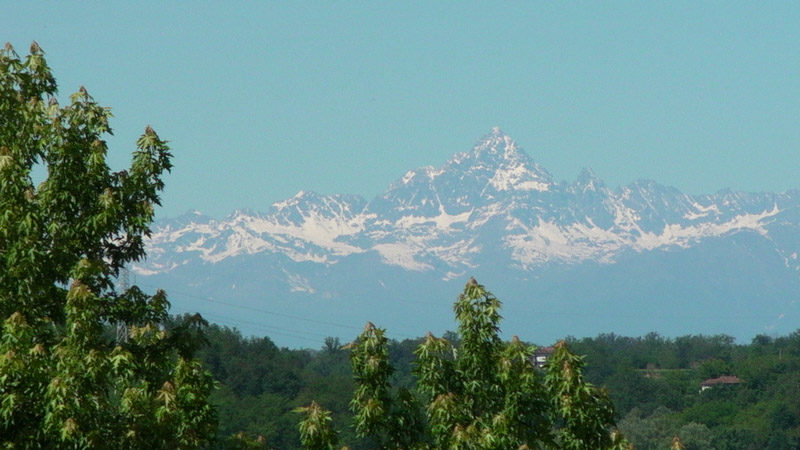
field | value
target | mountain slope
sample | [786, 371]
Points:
[494, 213]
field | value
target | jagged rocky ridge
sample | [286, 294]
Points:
[490, 210]
[493, 197]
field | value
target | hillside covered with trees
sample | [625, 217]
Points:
[653, 381]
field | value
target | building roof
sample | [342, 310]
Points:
[725, 379]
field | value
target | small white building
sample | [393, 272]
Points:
[540, 356]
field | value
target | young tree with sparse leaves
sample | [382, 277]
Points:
[581, 411]
[65, 381]
[315, 428]
[481, 394]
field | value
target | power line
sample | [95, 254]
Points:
[295, 332]
[510, 312]
[264, 311]
[236, 323]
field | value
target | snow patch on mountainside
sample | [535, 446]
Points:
[453, 275]
[298, 283]
[458, 253]
[701, 211]
[485, 214]
[168, 234]
[429, 172]
[443, 221]
[549, 241]
[518, 178]
[625, 217]
[401, 254]
[249, 234]
[677, 235]
[239, 242]
[317, 229]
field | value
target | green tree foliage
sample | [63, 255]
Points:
[481, 394]
[583, 411]
[655, 384]
[260, 385]
[315, 428]
[656, 398]
[389, 420]
[484, 393]
[64, 381]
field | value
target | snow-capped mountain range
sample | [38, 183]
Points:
[494, 213]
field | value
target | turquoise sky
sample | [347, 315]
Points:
[263, 99]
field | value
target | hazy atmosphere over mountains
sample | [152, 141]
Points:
[567, 258]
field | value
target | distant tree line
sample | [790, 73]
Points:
[653, 382]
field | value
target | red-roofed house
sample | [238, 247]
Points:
[725, 380]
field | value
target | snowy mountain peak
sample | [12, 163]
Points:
[502, 165]
[300, 197]
[495, 167]
[497, 136]
[424, 174]
[497, 144]
[588, 181]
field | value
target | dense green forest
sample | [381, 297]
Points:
[653, 381]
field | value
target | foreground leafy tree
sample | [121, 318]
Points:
[65, 382]
[482, 394]
[389, 420]
[583, 411]
[315, 428]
